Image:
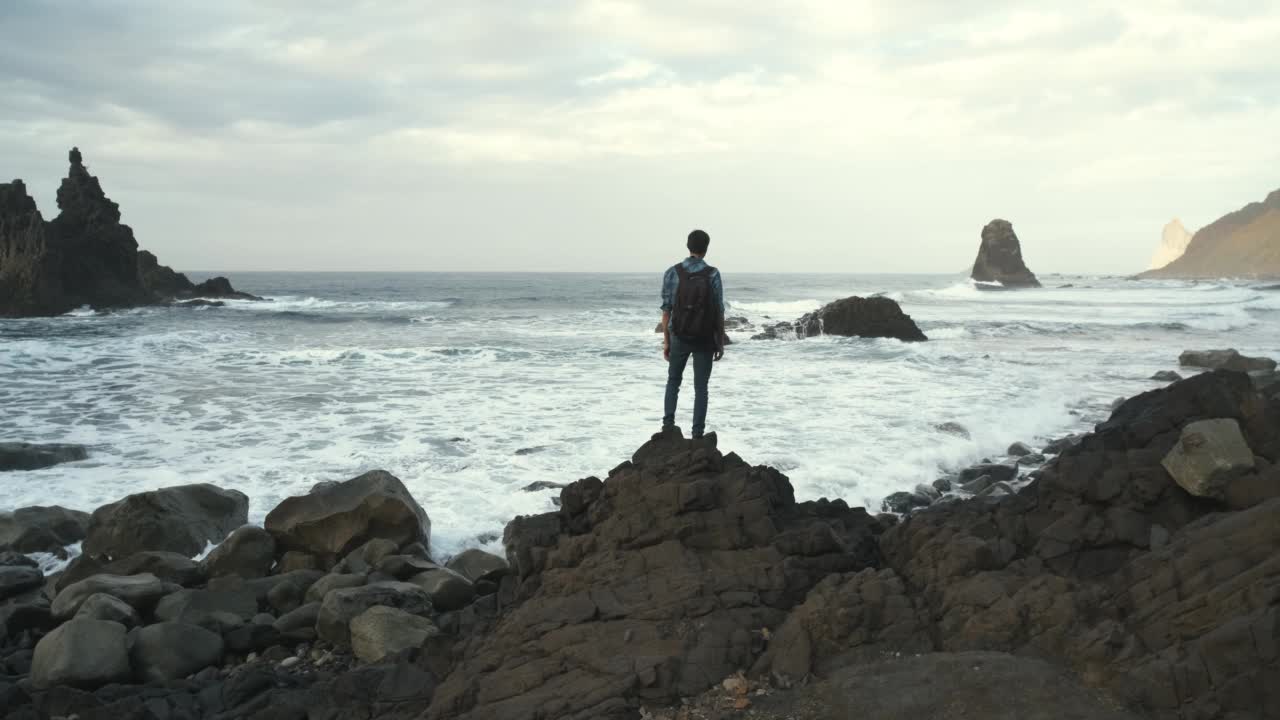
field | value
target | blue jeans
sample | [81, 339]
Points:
[681, 349]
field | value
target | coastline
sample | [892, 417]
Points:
[1073, 568]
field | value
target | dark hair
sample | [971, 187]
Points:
[698, 242]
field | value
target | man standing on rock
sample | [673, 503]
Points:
[692, 324]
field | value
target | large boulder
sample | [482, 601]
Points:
[873, 317]
[16, 580]
[1208, 455]
[182, 519]
[81, 653]
[141, 592]
[336, 518]
[381, 631]
[101, 606]
[41, 529]
[172, 650]
[28, 456]
[447, 589]
[1229, 359]
[340, 607]
[218, 610]
[168, 566]
[477, 565]
[1000, 258]
[248, 552]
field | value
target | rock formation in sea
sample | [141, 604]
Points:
[1173, 243]
[1244, 243]
[1000, 258]
[1132, 576]
[873, 317]
[84, 256]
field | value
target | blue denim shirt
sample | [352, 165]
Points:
[671, 280]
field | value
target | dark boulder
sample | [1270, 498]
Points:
[380, 632]
[336, 518]
[873, 317]
[340, 607]
[182, 519]
[101, 606]
[248, 552]
[1230, 359]
[17, 580]
[1000, 258]
[447, 589]
[141, 592]
[217, 610]
[168, 566]
[41, 529]
[478, 565]
[81, 653]
[1166, 376]
[29, 456]
[171, 650]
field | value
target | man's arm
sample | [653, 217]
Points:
[717, 291]
[668, 299]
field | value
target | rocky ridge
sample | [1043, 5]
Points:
[1129, 577]
[873, 317]
[84, 256]
[1244, 243]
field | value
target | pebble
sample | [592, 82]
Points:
[289, 662]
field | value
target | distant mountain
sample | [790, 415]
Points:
[1245, 243]
[1173, 243]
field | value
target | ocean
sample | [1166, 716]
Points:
[469, 387]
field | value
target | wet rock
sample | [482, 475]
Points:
[1032, 460]
[334, 519]
[1020, 449]
[141, 592]
[1225, 360]
[942, 485]
[478, 565]
[403, 567]
[248, 552]
[447, 589]
[182, 519]
[902, 502]
[998, 472]
[294, 560]
[1000, 258]
[41, 529]
[1208, 455]
[542, 485]
[17, 580]
[1061, 445]
[81, 653]
[874, 317]
[1166, 376]
[168, 566]
[257, 634]
[380, 632]
[303, 617]
[341, 606]
[954, 428]
[215, 610]
[171, 650]
[101, 606]
[9, 558]
[366, 557]
[336, 581]
[29, 456]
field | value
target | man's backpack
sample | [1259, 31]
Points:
[695, 314]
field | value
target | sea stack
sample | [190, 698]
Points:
[85, 256]
[1173, 243]
[1000, 258]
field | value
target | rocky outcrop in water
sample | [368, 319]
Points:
[1174, 240]
[31, 456]
[1000, 258]
[84, 256]
[873, 317]
[689, 580]
[1244, 243]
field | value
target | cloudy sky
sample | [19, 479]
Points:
[852, 135]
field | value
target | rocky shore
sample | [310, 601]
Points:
[1133, 574]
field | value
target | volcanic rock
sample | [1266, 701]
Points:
[217, 610]
[340, 607]
[248, 552]
[140, 591]
[101, 606]
[84, 256]
[874, 317]
[82, 654]
[1166, 376]
[41, 529]
[1225, 360]
[168, 566]
[16, 580]
[28, 456]
[447, 589]
[182, 519]
[171, 650]
[382, 631]
[1000, 258]
[1209, 454]
[336, 518]
[478, 565]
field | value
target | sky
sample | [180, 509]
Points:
[592, 135]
